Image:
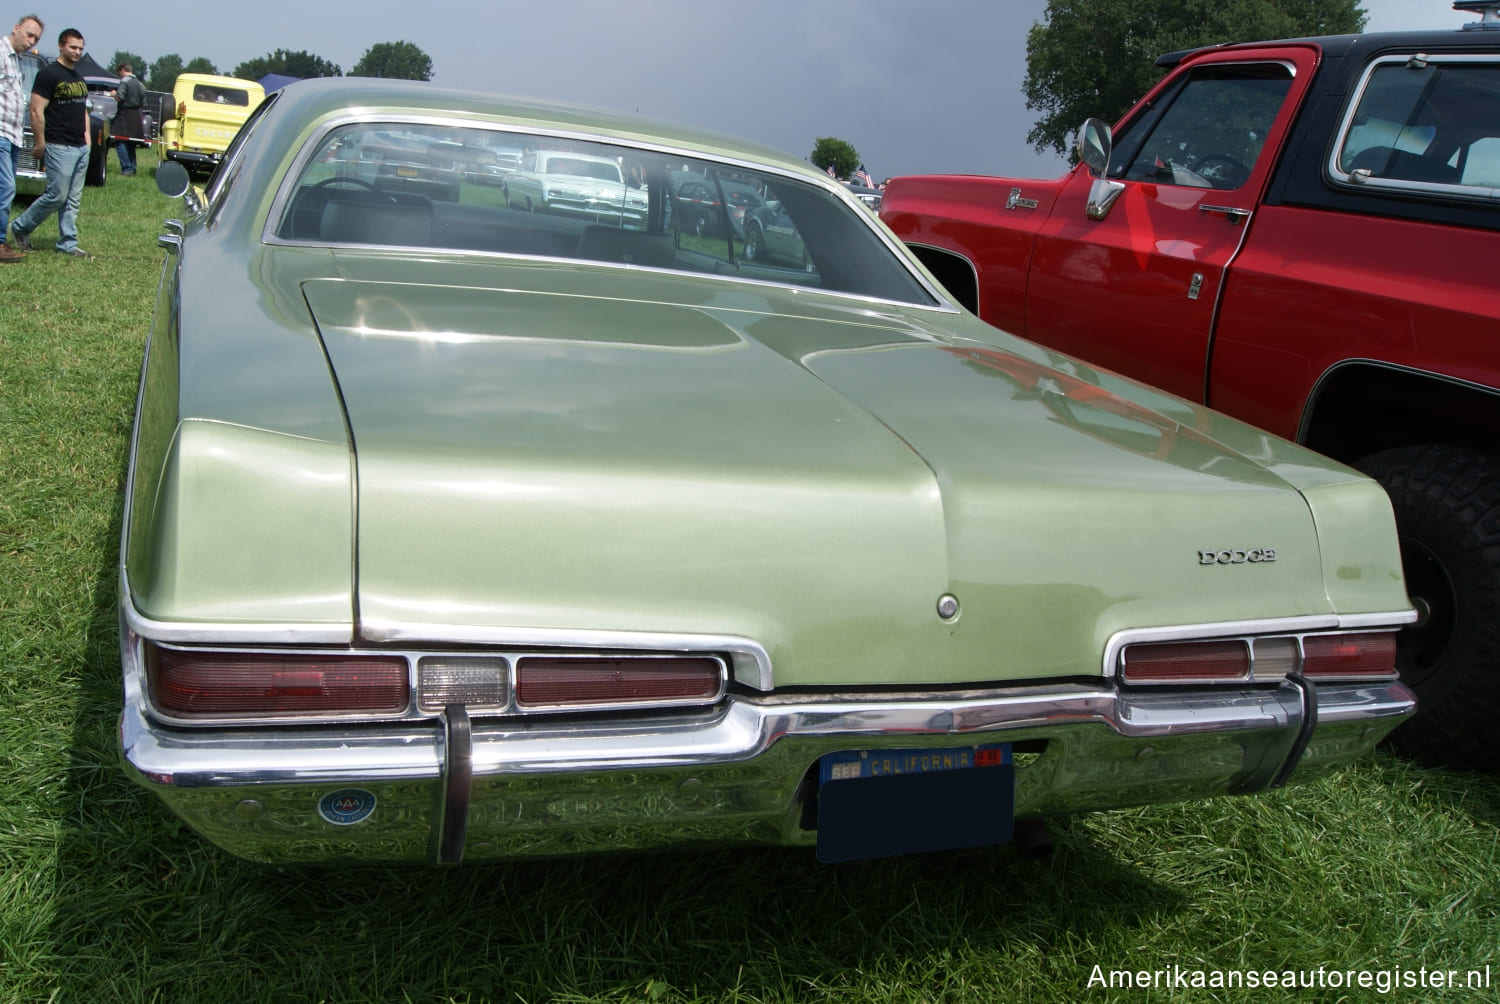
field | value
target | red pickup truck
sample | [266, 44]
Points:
[1304, 234]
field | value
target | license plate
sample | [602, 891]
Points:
[407, 172]
[880, 803]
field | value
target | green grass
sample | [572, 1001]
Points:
[104, 896]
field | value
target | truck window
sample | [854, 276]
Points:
[1424, 123]
[1212, 131]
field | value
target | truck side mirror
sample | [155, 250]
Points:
[1095, 144]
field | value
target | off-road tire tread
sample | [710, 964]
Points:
[1457, 491]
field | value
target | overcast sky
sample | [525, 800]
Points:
[916, 85]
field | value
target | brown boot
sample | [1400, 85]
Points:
[7, 253]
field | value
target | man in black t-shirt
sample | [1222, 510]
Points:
[60, 121]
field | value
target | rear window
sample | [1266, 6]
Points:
[215, 95]
[442, 187]
[1424, 125]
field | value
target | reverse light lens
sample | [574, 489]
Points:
[1274, 658]
[1349, 656]
[568, 682]
[475, 682]
[1184, 662]
[199, 684]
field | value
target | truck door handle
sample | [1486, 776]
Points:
[1235, 214]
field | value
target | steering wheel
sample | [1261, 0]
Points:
[1222, 168]
[347, 180]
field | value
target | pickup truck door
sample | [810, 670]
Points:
[1137, 290]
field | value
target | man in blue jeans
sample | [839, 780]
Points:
[14, 99]
[60, 119]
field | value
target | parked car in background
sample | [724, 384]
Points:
[580, 184]
[492, 164]
[417, 160]
[771, 234]
[1300, 233]
[158, 108]
[454, 530]
[699, 208]
[869, 196]
[209, 111]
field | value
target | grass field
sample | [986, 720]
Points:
[105, 897]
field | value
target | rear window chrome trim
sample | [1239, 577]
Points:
[314, 140]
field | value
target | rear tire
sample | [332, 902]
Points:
[1447, 506]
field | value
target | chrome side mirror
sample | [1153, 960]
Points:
[1095, 145]
[172, 180]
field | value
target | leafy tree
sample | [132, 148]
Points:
[840, 153]
[200, 64]
[164, 72]
[139, 65]
[293, 64]
[399, 60]
[1096, 57]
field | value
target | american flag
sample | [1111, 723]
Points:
[862, 177]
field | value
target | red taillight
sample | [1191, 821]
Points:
[187, 683]
[1185, 662]
[1349, 655]
[567, 682]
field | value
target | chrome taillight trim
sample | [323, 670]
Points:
[1250, 632]
[750, 662]
[414, 710]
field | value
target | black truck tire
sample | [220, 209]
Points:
[1447, 506]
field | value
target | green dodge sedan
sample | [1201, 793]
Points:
[461, 528]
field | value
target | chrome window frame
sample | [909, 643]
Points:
[287, 187]
[1356, 182]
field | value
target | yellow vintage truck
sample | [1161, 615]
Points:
[210, 110]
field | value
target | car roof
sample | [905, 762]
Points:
[328, 96]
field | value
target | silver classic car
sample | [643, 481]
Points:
[458, 531]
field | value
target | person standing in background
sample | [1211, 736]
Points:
[131, 97]
[14, 100]
[60, 120]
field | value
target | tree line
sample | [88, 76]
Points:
[402, 60]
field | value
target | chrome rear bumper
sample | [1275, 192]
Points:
[743, 773]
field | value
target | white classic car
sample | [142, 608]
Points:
[580, 184]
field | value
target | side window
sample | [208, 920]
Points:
[1212, 130]
[1425, 124]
